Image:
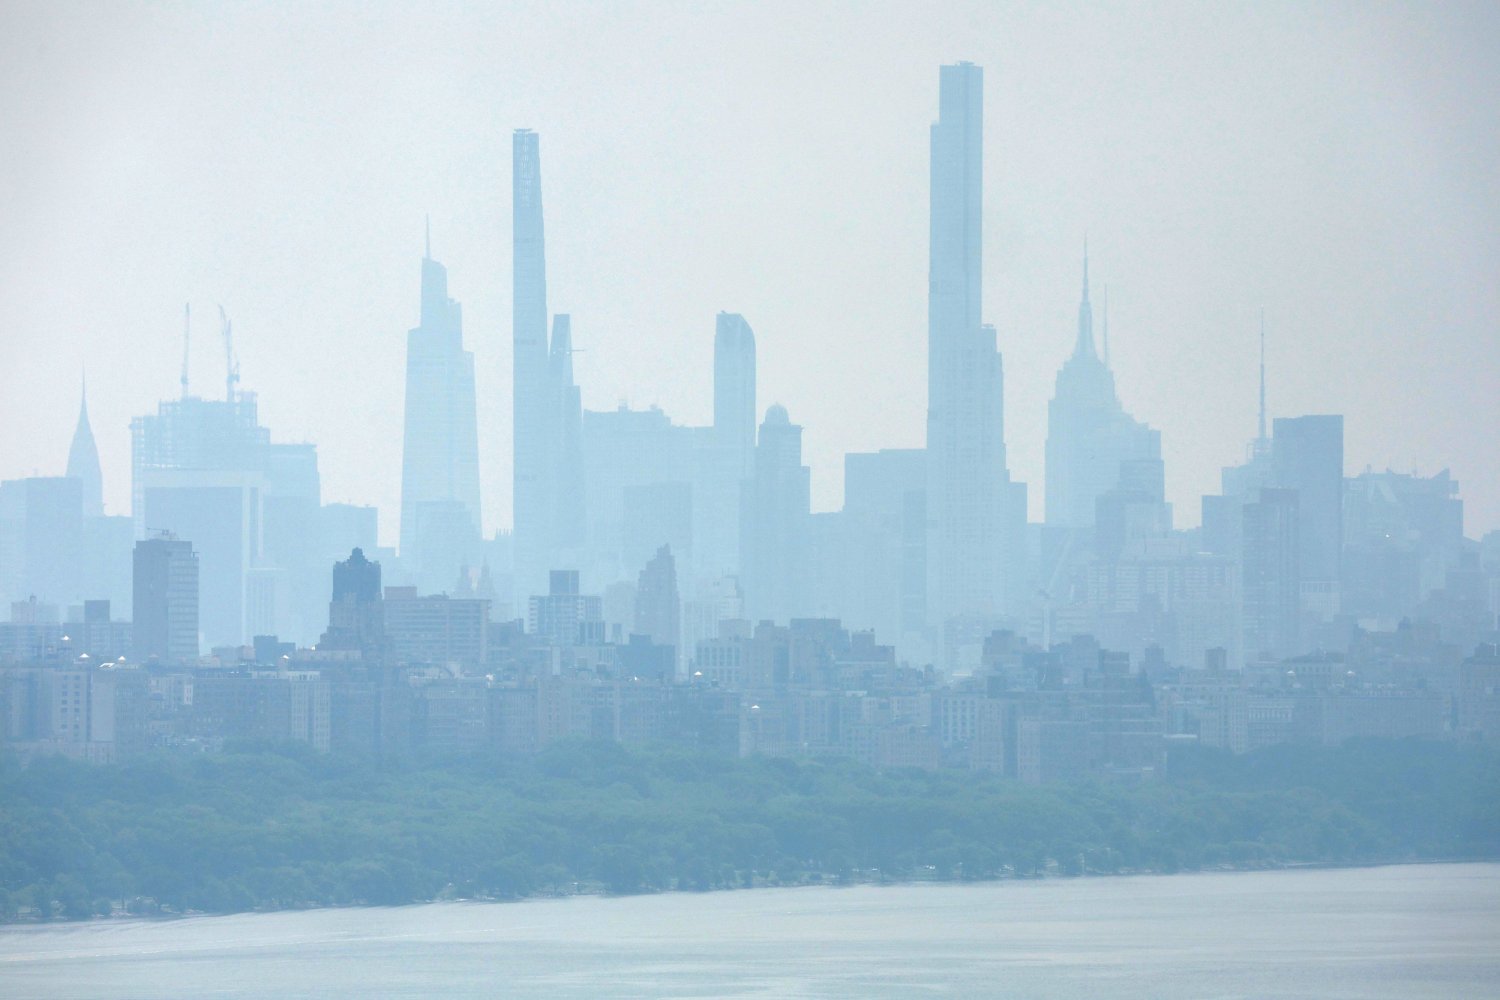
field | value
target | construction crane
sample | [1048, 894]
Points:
[231, 363]
[186, 334]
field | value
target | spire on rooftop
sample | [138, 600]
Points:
[83, 459]
[1085, 344]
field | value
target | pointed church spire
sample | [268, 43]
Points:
[1085, 345]
[83, 459]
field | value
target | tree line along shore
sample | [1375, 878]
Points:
[263, 828]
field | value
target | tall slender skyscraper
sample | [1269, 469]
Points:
[533, 412]
[83, 461]
[734, 390]
[565, 464]
[440, 513]
[723, 468]
[548, 459]
[975, 514]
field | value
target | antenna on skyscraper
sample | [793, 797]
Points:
[427, 234]
[231, 364]
[186, 335]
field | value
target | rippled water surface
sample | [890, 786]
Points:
[1409, 931]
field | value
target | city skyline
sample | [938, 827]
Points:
[468, 453]
[655, 343]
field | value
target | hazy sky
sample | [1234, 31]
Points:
[1337, 164]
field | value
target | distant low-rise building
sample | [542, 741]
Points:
[436, 629]
[1479, 695]
[274, 707]
[94, 713]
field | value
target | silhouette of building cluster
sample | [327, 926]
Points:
[671, 582]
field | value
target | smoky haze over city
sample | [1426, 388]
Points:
[1334, 166]
[640, 448]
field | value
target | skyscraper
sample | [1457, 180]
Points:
[356, 616]
[534, 426]
[640, 494]
[83, 461]
[165, 599]
[565, 461]
[884, 502]
[658, 608]
[1224, 516]
[774, 519]
[194, 433]
[734, 390]
[1403, 537]
[975, 514]
[723, 456]
[102, 564]
[205, 469]
[548, 480]
[41, 536]
[1256, 472]
[440, 513]
[1271, 531]
[1307, 455]
[1089, 434]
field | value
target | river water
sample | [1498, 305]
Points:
[1403, 931]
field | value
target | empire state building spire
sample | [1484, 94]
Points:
[83, 460]
[1085, 345]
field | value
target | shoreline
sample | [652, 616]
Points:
[123, 918]
[266, 832]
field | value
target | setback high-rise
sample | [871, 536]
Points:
[440, 513]
[774, 522]
[1090, 437]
